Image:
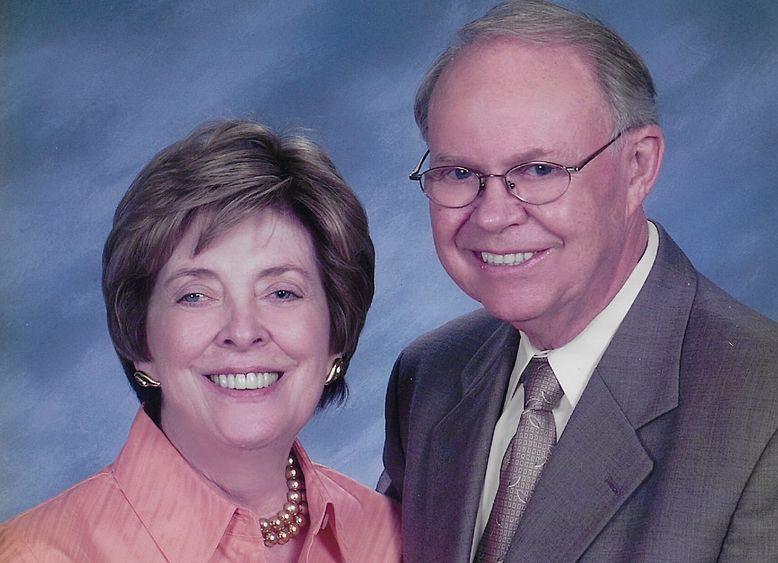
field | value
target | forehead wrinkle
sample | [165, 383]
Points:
[507, 64]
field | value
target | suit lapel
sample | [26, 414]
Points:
[460, 445]
[596, 466]
[600, 460]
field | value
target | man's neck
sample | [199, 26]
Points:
[559, 327]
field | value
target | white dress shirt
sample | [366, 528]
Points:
[573, 365]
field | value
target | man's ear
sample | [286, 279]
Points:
[643, 152]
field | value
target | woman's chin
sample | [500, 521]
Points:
[221, 430]
[253, 430]
[224, 414]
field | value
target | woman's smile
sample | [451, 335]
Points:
[250, 380]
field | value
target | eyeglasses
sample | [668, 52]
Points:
[535, 182]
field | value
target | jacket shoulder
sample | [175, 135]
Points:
[729, 346]
[719, 310]
[728, 332]
[455, 341]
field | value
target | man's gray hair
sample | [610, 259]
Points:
[622, 74]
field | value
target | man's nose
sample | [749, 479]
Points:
[496, 207]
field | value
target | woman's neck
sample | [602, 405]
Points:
[253, 478]
[257, 481]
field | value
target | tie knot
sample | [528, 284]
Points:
[541, 388]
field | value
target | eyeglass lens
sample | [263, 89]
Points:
[534, 182]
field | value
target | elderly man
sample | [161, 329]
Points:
[610, 403]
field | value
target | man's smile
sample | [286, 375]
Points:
[510, 259]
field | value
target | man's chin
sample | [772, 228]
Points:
[515, 312]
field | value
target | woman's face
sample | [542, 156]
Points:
[248, 311]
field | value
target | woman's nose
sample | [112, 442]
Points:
[243, 328]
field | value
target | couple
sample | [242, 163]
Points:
[609, 404]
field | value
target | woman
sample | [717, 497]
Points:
[237, 278]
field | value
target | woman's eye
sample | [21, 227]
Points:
[285, 295]
[192, 298]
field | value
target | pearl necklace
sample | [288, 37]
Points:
[291, 519]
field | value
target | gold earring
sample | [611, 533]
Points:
[336, 371]
[145, 380]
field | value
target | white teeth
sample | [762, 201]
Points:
[251, 380]
[505, 259]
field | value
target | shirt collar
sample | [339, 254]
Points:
[321, 508]
[341, 512]
[185, 515]
[574, 363]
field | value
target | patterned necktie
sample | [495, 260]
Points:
[527, 453]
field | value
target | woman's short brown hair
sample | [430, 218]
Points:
[222, 173]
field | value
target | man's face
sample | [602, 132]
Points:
[504, 102]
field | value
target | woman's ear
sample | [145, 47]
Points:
[337, 369]
[145, 380]
[144, 375]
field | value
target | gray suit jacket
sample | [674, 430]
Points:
[670, 455]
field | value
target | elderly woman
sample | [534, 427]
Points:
[237, 278]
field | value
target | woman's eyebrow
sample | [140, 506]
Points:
[264, 273]
[190, 272]
[285, 268]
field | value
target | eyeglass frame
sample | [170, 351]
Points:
[416, 175]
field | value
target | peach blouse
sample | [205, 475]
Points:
[151, 505]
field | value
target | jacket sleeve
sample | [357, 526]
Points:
[753, 530]
[393, 476]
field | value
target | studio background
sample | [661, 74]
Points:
[90, 91]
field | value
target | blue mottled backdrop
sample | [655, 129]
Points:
[90, 90]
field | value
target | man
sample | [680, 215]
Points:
[648, 432]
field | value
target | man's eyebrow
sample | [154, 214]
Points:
[529, 155]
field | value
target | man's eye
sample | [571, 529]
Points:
[285, 295]
[460, 174]
[539, 170]
[192, 298]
